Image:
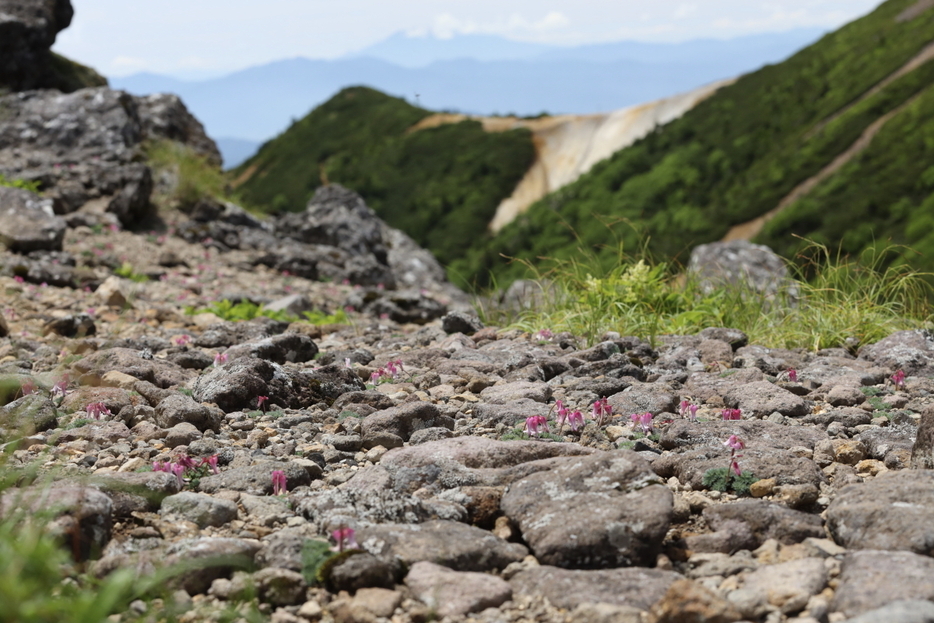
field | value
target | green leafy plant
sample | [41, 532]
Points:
[127, 272]
[723, 479]
[244, 310]
[31, 186]
[195, 177]
[314, 554]
[318, 317]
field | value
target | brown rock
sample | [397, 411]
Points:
[687, 601]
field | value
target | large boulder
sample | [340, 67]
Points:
[86, 145]
[28, 223]
[738, 263]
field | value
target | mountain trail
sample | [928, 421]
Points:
[750, 229]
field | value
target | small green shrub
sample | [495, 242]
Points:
[196, 177]
[318, 317]
[723, 479]
[244, 310]
[31, 186]
[314, 554]
[127, 272]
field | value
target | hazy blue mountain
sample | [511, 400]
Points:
[235, 150]
[257, 103]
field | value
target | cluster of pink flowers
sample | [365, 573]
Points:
[536, 425]
[575, 419]
[183, 464]
[220, 359]
[279, 486]
[735, 444]
[792, 375]
[732, 414]
[344, 539]
[898, 380]
[543, 335]
[182, 340]
[261, 402]
[60, 388]
[97, 409]
[643, 421]
[602, 411]
[390, 371]
[689, 410]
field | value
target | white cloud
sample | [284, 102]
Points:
[127, 64]
[446, 25]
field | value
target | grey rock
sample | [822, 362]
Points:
[72, 325]
[179, 408]
[81, 515]
[762, 398]
[785, 466]
[211, 557]
[266, 510]
[871, 579]
[283, 549]
[447, 543]
[27, 32]
[199, 508]
[280, 587]
[910, 351]
[460, 461]
[225, 334]
[182, 434]
[402, 306]
[105, 433]
[785, 585]
[456, 592]
[164, 115]
[405, 420]
[460, 322]
[28, 223]
[566, 588]
[348, 506]
[517, 390]
[255, 479]
[643, 397]
[292, 347]
[430, 434]
[765, 520]
[363, 570]
[295, 304]
[733, 337]
[509, 413]
[682, 434]
[922, 452]
[738, 263]
[159, 372]
[902, 611]
[888, 512]
[136, 491]
[605, 510]
[29, 414]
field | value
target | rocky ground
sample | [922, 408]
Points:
[405, 425]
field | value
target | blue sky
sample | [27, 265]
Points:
[201, 38]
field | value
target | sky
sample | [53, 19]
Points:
[205, 38]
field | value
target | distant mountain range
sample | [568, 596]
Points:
[477, 74]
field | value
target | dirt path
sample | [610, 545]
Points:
[750, 229]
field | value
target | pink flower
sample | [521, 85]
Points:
[898, 379]
[734, 464]
[576, 420]
[792, 375]
[182, 340]
[563, 413]
[734, 442]
[28, 388]
[543, 335]
[97, 409]
[692, 413]
[220, 359]
[344, 538]
[535, 424]
[602, 411]
[185, 461]
[261, 402]
[643, 420]
[18, 279]
[159, 466]
[732, 414]
[179, 471]
[211, 462]
[279, 483]
[61, 388]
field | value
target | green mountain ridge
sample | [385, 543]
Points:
[738, 154]
[838, 137]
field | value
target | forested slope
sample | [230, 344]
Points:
[738, 154]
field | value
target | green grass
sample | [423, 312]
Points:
[826, 302]
[196, 178]
[24, 184]
[244, 310]
[127, 272]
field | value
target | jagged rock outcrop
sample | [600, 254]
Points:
[27, 31]
[85, 146]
